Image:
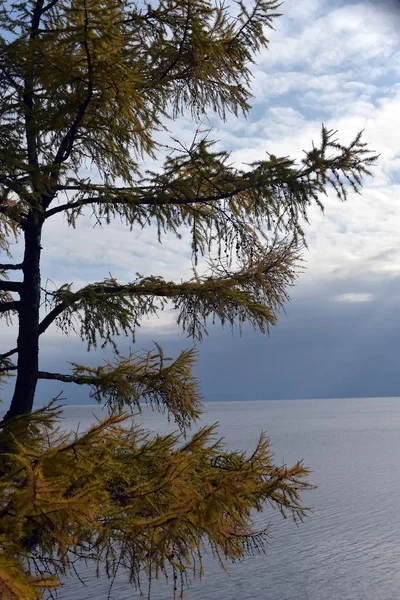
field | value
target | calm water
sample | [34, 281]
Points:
[349, 549]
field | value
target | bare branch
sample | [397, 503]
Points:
[51, 317]
[9, 353]
[67, 378]
[10, 267]
[49, 6]
[10, 286]
[7, 306]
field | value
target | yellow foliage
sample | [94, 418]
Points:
[118, 496]
[90, 83]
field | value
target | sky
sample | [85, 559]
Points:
[335, 62]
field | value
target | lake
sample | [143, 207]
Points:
[348, 549]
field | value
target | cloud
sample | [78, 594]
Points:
[354, 298]
[336, 62]
[341, 38]
[321, 348]
[331, 48]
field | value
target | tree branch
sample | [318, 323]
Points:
[7, 306]
[68, 378]
[108, 290]
[51, 316]
[254, 293]
[9, 267]
[65, 149]
[19, 220]
[14, 186]
[246, 23]
[9, 368]
[10, 286]
[165, 290]
[181, 45]
[28, 93]
[49, 6]
[159, 381]
[17, 87]
[9, 353]
[199, 176]
[147, 201]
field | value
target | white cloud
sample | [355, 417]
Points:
[341, 38]
[331, 62]
[354, 298]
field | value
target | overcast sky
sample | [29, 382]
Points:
[335, 62]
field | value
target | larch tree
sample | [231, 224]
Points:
[93, 82]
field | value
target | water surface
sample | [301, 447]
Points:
[349, 548]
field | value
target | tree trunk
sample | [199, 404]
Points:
[28, 334]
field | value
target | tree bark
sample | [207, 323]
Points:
[28, 333]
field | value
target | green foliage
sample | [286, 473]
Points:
[118, 497]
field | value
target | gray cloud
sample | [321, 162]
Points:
[321, 348]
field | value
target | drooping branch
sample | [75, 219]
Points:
[151, 377]
[255, 293]
[117, 487]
